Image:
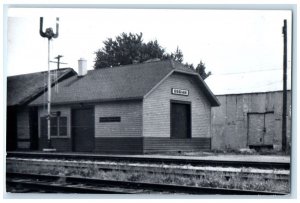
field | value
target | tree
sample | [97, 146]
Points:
[151, 50]
[129, 48]
[201, 70]
[177, 55]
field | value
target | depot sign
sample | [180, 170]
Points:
[179, 92]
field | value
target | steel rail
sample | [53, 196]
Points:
[60, 188]
[180, 172]
[133, 185]
[160, 160]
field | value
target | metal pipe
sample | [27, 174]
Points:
[49, 99]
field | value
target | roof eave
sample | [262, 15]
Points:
[43, 89]
[211, 97]
[91, 101]
[161, 81]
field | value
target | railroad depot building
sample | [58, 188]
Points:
[140, 108]
[22, 120]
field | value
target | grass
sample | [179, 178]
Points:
[228, 151]
[163, 176]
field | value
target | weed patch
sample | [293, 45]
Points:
[162, 175]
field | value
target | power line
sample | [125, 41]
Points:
[255, 71]
[257, 85]
[58, 61]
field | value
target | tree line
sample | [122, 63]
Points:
[130, 48]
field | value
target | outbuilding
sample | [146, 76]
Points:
[251, 113]
[141, 108]
[250, 120]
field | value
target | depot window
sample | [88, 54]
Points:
[58, 126]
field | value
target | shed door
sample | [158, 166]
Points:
[256, 129]
[260, 129]
[83, 130]
[269, 125]
[180, 120]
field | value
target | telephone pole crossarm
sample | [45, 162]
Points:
[58, 61]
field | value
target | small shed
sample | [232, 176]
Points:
[250, 114]
[150, 107]
[250, 120]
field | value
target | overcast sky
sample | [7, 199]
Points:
[235, 45]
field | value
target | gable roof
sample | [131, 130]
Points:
[22, 89]
[119, 83]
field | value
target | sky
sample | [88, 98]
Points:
[242, 47]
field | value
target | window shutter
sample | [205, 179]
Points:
[53, 122]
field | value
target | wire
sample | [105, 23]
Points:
[258, 85]
[236, 73]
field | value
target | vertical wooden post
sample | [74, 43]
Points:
[284, 101]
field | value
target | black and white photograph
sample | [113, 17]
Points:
[163, 101]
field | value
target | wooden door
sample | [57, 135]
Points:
[269, 129]
[255, 129]
[260, 129]
[83, 130]
[180, 121]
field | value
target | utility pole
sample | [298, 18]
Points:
[55, 73]
[284, 101]
[58, 61]
[49, 34]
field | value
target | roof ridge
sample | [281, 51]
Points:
[39, 72]
[135, 80]
[183, 67]
[132, 64]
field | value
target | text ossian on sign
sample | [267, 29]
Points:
[180, 92]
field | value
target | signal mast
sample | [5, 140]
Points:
[49, 34]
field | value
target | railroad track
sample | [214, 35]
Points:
[67, 184]
[199, 172]
[156, 160]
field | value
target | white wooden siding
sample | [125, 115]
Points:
[156, 107]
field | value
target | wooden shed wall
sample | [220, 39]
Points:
[230, 120]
